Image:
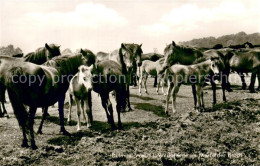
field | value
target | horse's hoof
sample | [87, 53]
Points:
[25, 145]
[166, 112]
[34, 147]
[120, 127]
[64, 132]
[140, 94]
[230, 90]
[258, 89]
[252, 91]
[39, 132]
[69, 123]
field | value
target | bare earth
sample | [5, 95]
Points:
[229, 134]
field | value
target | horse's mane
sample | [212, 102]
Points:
[37, 57]
[66, 64]
[134, 48]
[177, 48]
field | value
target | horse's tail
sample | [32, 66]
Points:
[19, 109]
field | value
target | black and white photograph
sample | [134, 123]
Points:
[129, 82]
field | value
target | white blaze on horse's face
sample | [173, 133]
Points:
[85, 76]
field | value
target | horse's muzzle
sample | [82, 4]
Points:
[139, 64]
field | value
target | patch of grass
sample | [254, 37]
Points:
[69, 140]
[157, 110]
[142, 97]
[227, 105]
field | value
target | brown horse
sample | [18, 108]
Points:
[129, 57]
[186, 56]
[244, 62]
[37, 86]
[152, 57]
[108, 76]
[40, 56]
[195, 74]
[149, 67]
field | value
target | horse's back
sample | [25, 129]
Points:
[109, 67]
[101, 56]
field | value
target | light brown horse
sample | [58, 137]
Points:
[79, 90]
[191, 75]
[149, 67]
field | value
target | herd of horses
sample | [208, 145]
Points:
[43, 77]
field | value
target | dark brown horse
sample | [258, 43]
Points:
[109, 77]
[37, 86]
[244, 62]
[129, 56]
[40, 56]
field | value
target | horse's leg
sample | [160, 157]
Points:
[258, 76]
[61, 114]
[155, 81]
[1, 112]
[243, 80]
[194, 95]
[88, 111]
[199, 88]
[213, 84]
[32, 112]
[90, 115]
[119, 105]
[70, 108]
[4, 110]
[168, 97]
[145, 80]
[252, 83]
[158, 84]
[77, 101]
[83, 111]
[174, 95]
[140, 84]
[44, 115]
[106, 103]
[20, 114]
[128, 97]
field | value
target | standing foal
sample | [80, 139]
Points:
[191, 75]
[79, 90]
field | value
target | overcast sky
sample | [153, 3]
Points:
[104, 25]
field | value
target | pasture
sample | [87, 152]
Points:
[229, 134]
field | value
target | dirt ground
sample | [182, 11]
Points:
[229, 134]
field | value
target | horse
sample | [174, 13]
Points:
[195, 74]
[129, 58]
[37, 86]
[89, 55]
[187, 56]
[153, 57]
[80, 90]
[149, 67]
[108, 76]
[40, 56]
[244, 62]
[101, 56]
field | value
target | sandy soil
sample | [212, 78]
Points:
[229, 134]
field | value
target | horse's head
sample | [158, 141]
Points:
[52, 50]
[132, 54]
[168, 51]
[217, 65]
[89, 56]
[85, 76]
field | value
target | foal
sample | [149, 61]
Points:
[191, 75]
[80, 90]
[149, 67]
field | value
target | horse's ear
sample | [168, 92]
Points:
[173, 43]
[140, 45]
[91, 67]
[123, 46]
[47, 46]
[81, 51]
